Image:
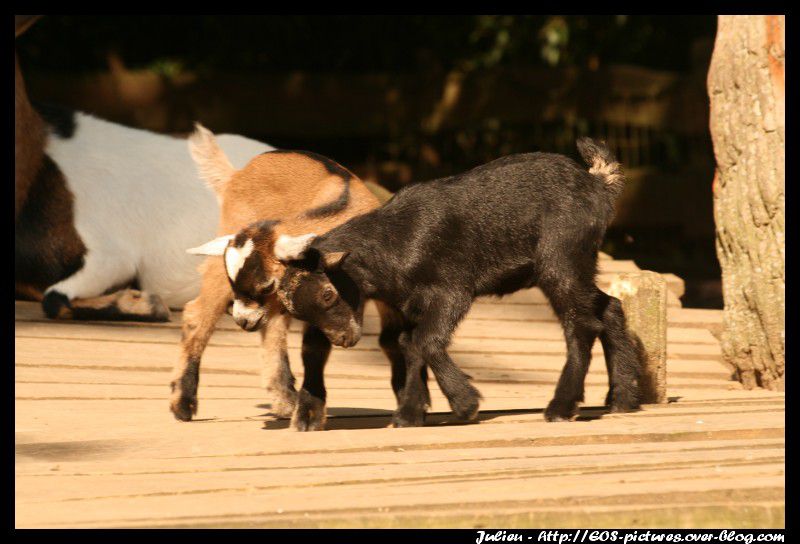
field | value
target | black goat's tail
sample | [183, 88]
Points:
[602, 163]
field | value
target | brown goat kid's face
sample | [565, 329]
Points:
[252, 285]
[253, 272]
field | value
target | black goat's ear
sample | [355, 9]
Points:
[333, 261]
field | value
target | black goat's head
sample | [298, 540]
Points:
[317, 289]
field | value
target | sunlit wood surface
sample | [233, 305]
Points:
[96, 445]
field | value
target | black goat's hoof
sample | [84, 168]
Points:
[621, 407]
[408, 417]
[465, 406]
[310, 413]
[183, 407]
[468, 412]
[620, 401]
[560, 411]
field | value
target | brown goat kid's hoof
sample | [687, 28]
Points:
[284, 402]
[183, 407]
[309, 414]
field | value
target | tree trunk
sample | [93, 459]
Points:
[746, 90]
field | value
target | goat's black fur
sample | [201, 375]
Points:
[519, 221]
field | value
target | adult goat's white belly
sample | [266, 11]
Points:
[139, 204]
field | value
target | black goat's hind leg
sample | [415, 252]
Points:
[581, 328]
[623, 355]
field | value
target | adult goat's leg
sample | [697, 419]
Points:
[82, 295]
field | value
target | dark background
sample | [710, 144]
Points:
[401, 99]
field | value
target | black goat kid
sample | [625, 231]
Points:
[519, 221]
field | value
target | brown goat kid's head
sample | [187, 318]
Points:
[253, 270]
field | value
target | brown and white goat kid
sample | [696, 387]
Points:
[100, 206]
[299, 192]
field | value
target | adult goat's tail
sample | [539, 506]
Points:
[213, 165]
[602, 163]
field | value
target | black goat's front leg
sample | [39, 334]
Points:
[309, 415]
[622, 353]
[392, 326]
[427, 345]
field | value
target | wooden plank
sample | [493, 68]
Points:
[79, 371]
[263, 498]
[470, 328]
[124, 355]
[31, 464]
[478, 343]
[72, 487]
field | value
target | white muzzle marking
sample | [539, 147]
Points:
[243, 313]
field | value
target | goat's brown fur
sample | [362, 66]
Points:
[280, 185]
[29, 137]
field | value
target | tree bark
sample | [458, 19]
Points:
[746, 91]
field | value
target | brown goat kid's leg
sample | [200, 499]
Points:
[200, 317]
[276, 376]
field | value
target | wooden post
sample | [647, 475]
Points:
[644, 300]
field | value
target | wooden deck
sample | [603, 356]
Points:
[96, 445]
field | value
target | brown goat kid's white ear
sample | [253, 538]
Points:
[214, 247]
[290, 248]
[332, 261]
